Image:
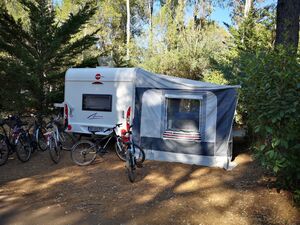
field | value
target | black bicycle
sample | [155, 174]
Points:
[84, 152]
[135, 155]
[15, 140]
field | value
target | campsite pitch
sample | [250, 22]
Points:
[39, 192]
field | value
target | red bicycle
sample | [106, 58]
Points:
[134, 154]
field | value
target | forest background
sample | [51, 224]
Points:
[258, 49]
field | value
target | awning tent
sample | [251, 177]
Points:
[183, 120]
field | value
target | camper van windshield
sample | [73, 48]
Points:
[96, 102]
[183, 114]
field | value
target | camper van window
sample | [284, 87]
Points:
[92, 102]
[183, 114]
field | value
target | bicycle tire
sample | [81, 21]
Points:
[84, 153]
[54, 151]
[139, 154]
[4, 151]
[120, 150]
[42, 139]
[23, 148]
[67, 140]
[33, 142]
[131, 170]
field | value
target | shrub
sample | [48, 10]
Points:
[272, 104]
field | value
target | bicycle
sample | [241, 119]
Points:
[84, 152]
[57, 139]
[37, 131]
[17, 141]
[53, 143]
[135, 155]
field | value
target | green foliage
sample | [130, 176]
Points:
[111, 20]
[272, 103]
[179, 48]
[215, 77]
[35, 57]
[269, 101]
[254, 33]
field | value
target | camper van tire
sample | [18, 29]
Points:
[120, 151]
[54, 150]
[84, 152]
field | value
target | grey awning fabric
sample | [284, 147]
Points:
[147, 79]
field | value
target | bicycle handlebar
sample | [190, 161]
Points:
[129, 131]
[117, 125]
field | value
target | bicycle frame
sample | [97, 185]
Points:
[98, 141]
[16, 132]
[54, 133]
[36, 130]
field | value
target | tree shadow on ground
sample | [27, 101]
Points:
[165, 193]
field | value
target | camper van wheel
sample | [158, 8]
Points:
[120, 150]
[84, 153]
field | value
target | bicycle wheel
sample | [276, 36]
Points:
[130, 166]
[4, 151]
[139, 154]
[33, 142]
[54, 150]
[84, 153]
[67, 140]
[23, 148]
[41, 139]
[120, 149]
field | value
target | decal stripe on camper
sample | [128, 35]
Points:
[188, 136]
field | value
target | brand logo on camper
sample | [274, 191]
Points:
[94, 116]
[98, 76]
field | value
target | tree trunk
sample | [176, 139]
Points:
[150, 7]
[287, 24]
[128, 27]
[248, 6]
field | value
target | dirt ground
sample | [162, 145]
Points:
[39, 193]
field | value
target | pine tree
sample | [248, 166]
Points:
[33, 58]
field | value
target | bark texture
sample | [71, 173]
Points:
[287, 24]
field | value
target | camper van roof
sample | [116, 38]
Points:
[106, 73]
[142, 78]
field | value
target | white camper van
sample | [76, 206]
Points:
[174, 119]
[97, 98]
